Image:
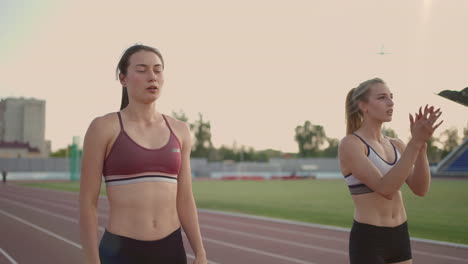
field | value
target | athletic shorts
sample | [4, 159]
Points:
[369, 244]
[118, 249]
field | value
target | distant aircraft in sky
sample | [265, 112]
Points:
[382, 52]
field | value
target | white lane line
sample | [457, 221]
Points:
[318, 236]
[261, 252]
[276, 229]
[341, 252]
[52, 234]
[440, 256]
[48, 203]
[311, 235]
[298, 223]
[258, 226]
[334, 228]
[45, 199]
[193, 257]
[48, 190]
[292, 222]
[40, 210]
[439, 243]
[217, 220]
[323, 227]
[275, 220]
[204, 238]
[63, 217]
[38, 200]
[73, 200]
[8, 256]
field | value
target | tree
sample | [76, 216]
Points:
[244, 154]
[203, 148]
[269, 153]
[451, 141]
[332, 149]
[225, 153]
[389, 132]
[61, 153]
[180, 116]
[64, 152]
[465, 132]
[202, 145]
[433, 152]
[310, 138]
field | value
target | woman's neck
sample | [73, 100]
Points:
[371, 130]
[142, 112]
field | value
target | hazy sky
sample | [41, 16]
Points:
[255, 69]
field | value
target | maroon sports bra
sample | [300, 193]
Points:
[128, 162]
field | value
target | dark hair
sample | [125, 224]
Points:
[352, 112]
[123, 65]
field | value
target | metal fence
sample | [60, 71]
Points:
[35, 164]
[200, 167]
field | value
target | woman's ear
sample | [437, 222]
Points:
[362, 106]
[122, 80]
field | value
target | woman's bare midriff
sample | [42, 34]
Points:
[374, 209]
[144, 211]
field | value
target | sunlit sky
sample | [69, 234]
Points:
[254, 69]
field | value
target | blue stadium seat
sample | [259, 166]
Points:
[461, 163]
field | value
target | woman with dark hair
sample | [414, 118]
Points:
[376, 166]
[144, 157]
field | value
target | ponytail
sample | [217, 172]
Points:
[353, 117]
[124, 102]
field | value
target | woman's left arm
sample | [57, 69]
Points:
[419, 180]
[186, 206]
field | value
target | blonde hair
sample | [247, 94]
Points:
[353, 113]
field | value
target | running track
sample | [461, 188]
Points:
[41, 226]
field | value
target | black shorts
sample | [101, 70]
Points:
[118, 249]
[369, 244]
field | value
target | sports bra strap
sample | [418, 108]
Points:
[167, 123]
[120, 120]
[361, 139]
[165, 120]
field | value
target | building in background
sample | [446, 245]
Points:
[22, 128]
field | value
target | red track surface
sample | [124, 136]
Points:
[41, 226]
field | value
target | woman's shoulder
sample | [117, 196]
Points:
[176, 124]
[350, 144]
[105, 120]
[350, 140]
[105, 124]
[180, 128]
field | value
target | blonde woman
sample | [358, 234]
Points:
[375, 168]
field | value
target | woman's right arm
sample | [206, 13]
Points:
[94, 148]
[355, 160]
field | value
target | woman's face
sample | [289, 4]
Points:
[380, 103]
[144, 79]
